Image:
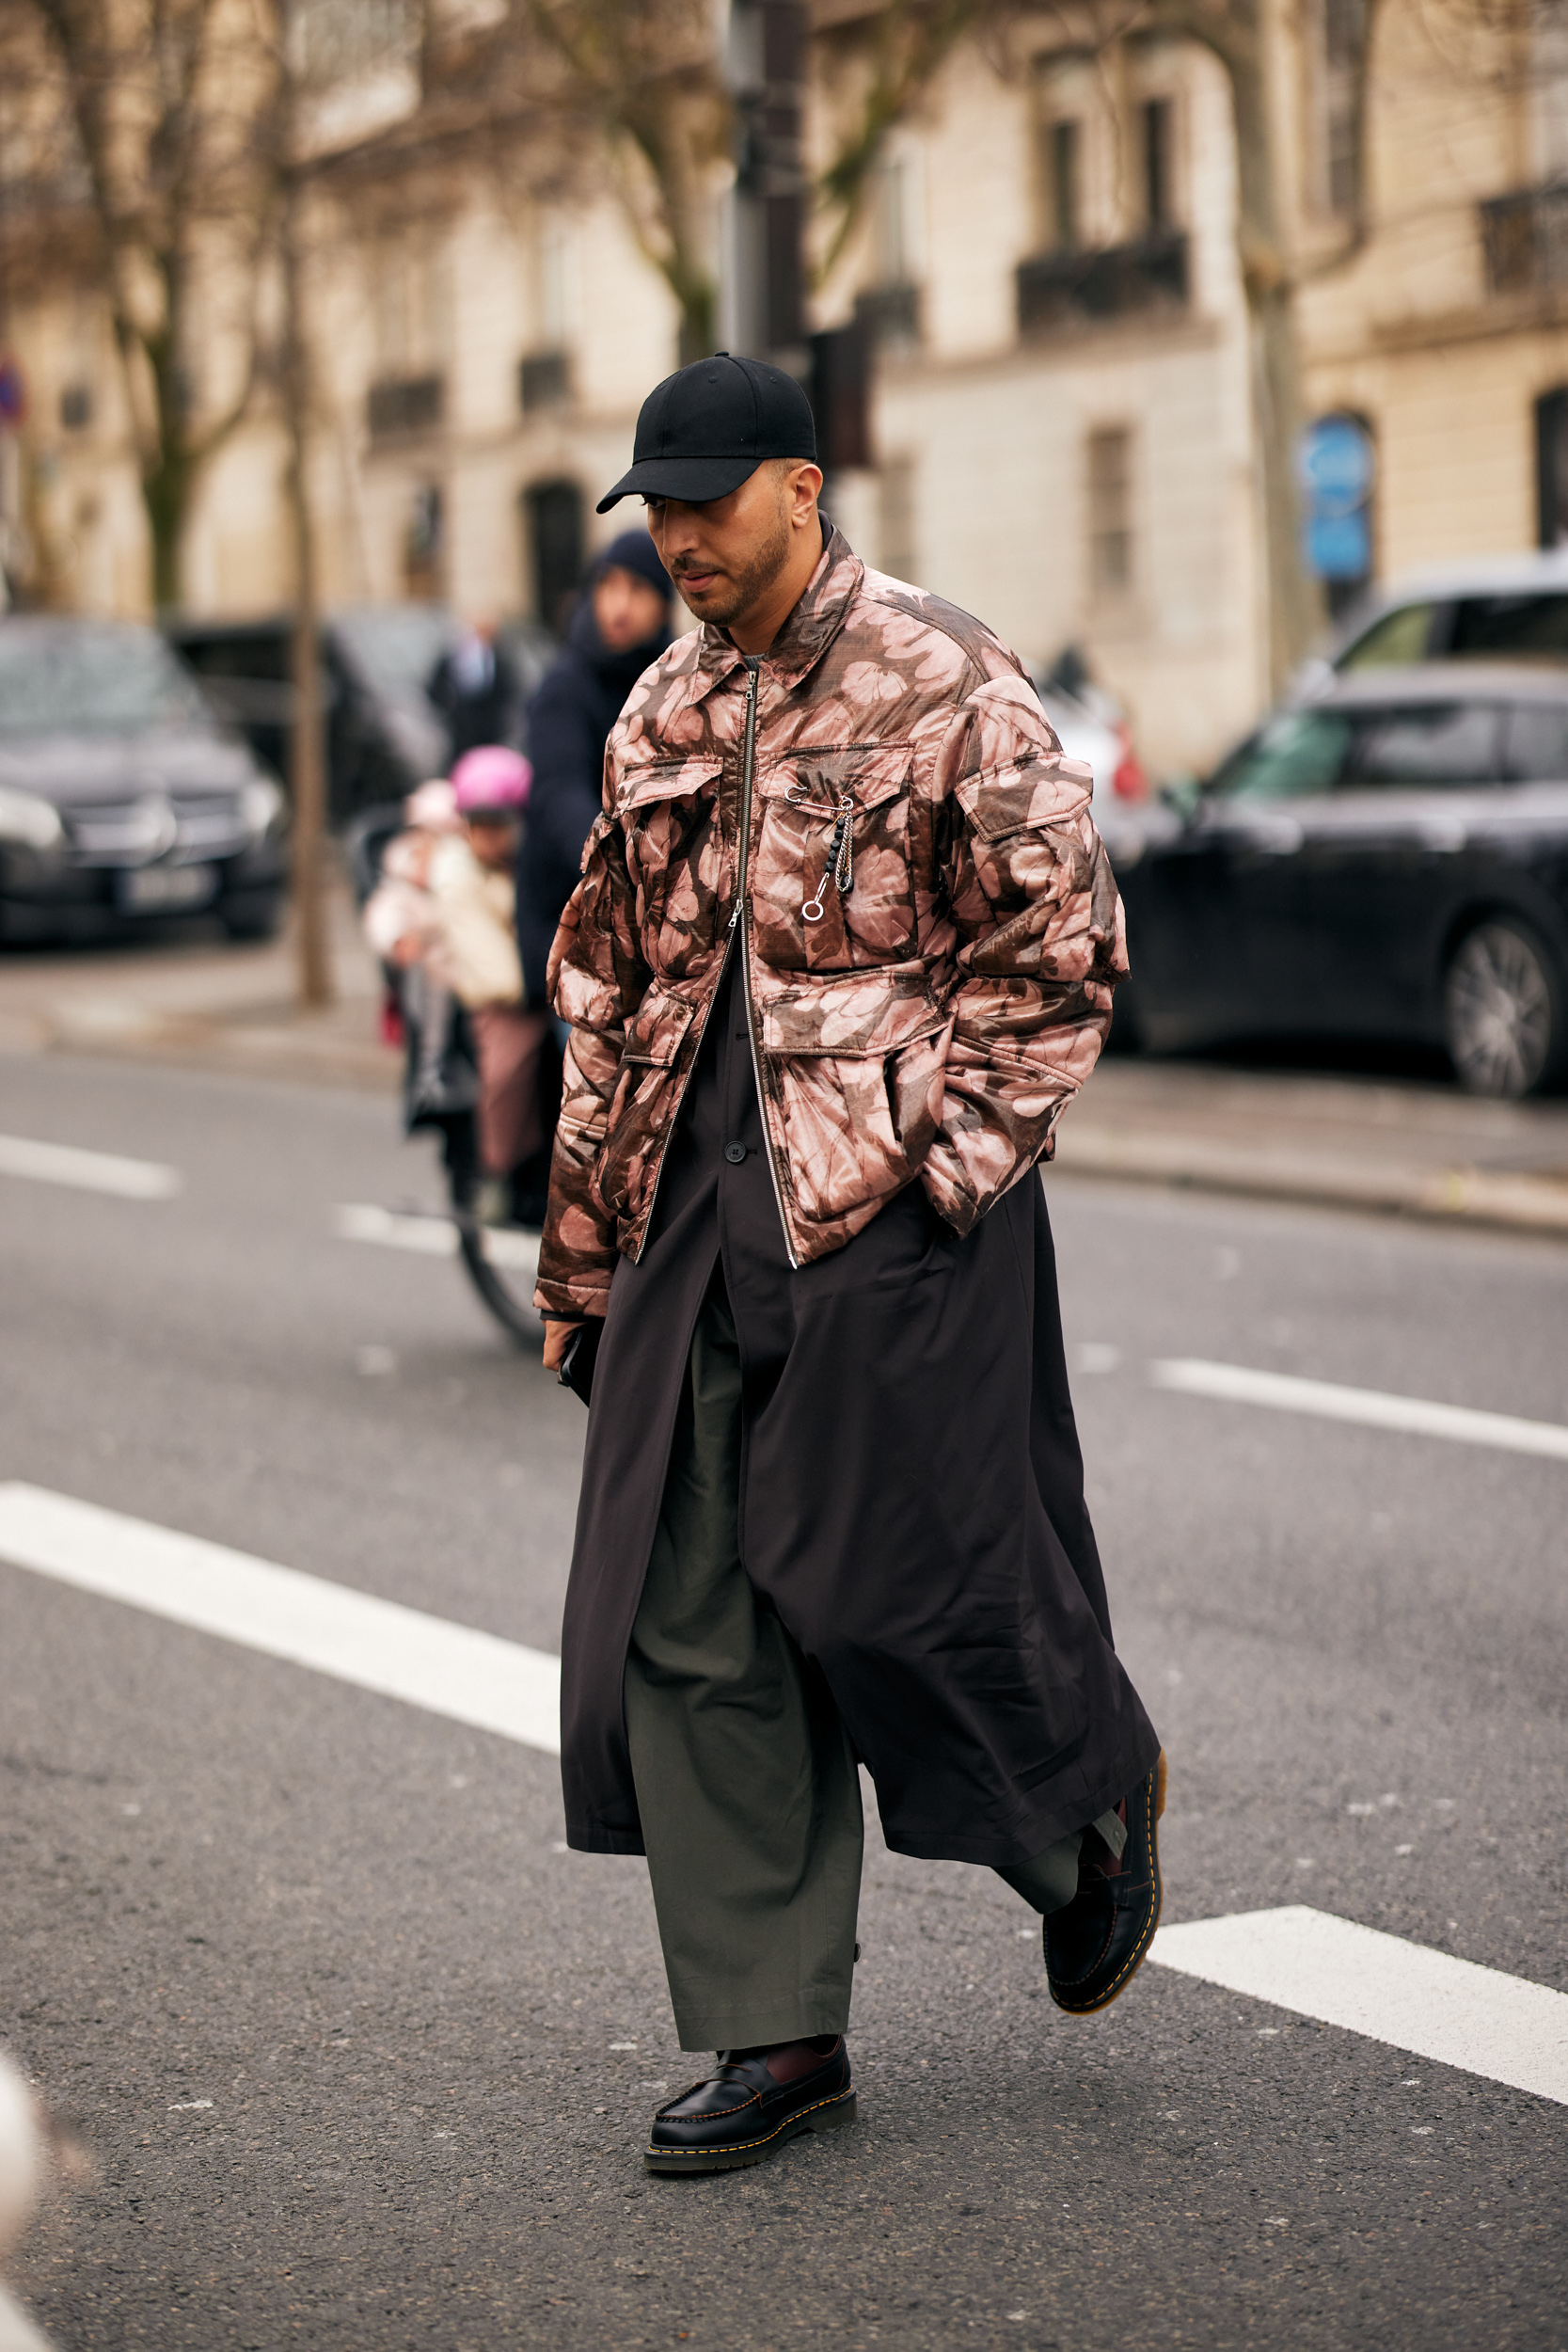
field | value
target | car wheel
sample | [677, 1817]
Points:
[1503, 1011]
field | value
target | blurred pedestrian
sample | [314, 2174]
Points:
[619, 625]
[842, 952]
[476, 689]
[471, 884]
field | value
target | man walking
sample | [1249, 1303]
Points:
[842, 951]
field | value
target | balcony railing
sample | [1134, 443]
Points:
[544, 380]
[889, 313]
[1525, 239]
[405, 404]
[1112, 281]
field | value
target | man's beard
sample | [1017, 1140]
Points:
[728, 600]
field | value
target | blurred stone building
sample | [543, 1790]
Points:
[1063, 411]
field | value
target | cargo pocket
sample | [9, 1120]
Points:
[873, 921]
[859, 1065]
[666, 810]
[642, 1105]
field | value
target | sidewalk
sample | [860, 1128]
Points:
[204, 1004]
[1408, 1146]
[1396, 1146]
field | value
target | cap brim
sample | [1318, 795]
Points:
[694, 480]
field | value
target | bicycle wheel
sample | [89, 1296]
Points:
[503, 1262]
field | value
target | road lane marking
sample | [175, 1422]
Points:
[430, 1236]
[90, 1171]
[451, 1670]
[1375, 1408]
[1406, 1995]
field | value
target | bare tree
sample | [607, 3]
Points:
[888, 55]
[647, 77]
[156, 105]
[296, 389]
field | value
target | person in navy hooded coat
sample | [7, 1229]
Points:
[622, 623]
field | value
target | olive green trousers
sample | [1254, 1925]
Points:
[746, 1781]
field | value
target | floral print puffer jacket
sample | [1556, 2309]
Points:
[876, 817]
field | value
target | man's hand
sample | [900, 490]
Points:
[556, 1335]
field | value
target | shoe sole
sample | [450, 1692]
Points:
[1092, 2009]
[827, 2116]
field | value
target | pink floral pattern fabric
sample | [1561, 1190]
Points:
[935, 1019]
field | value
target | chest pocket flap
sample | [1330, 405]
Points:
[666, 780]
[855, 1013]
[654, 1031]
[871, 774]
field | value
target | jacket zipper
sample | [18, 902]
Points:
[741, 920]
[738, 921]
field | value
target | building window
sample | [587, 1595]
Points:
[1344, 37]
[1111, 511]
[553, 528]
[1551, 468]
[1063, 162]
[424, 544]
[544, 380]
[1158, 201]
[75, 408]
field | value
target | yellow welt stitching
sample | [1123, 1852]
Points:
[729, 2147]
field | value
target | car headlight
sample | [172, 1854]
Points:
[24, 817]
[262, 805]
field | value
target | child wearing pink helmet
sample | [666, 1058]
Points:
[472, 883]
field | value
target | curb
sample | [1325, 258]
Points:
[1505, 1200]
[290, 1049]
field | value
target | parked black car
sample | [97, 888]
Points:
[1389, 861]
[1499, 608]
[121, 796]
[384, 735]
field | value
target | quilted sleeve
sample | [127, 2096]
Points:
[1040, 941]
[597, 978]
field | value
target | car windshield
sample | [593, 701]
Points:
[395, 647]
[1296, 753]
[59, 680]
[1401, 637]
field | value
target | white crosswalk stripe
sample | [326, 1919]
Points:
[87, 1171]
[1406, 1995]
[1375, 1408]
[453, 1670]
[430, 1236]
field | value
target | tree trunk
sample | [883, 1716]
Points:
[307, 746]
[166, 490]
[1295, 611]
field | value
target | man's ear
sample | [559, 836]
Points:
[805, 488]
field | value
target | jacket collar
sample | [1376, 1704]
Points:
[823, 608]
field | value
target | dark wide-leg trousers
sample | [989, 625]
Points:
[747, 1784]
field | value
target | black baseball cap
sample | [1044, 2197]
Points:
[703, 431]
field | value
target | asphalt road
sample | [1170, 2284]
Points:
[430, 2038]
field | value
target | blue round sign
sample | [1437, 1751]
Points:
[14, 390]
[1336, 463]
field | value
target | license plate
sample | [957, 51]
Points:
[149, 888]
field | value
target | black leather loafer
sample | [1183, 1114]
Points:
[741, 2116]
[1095, 1945]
